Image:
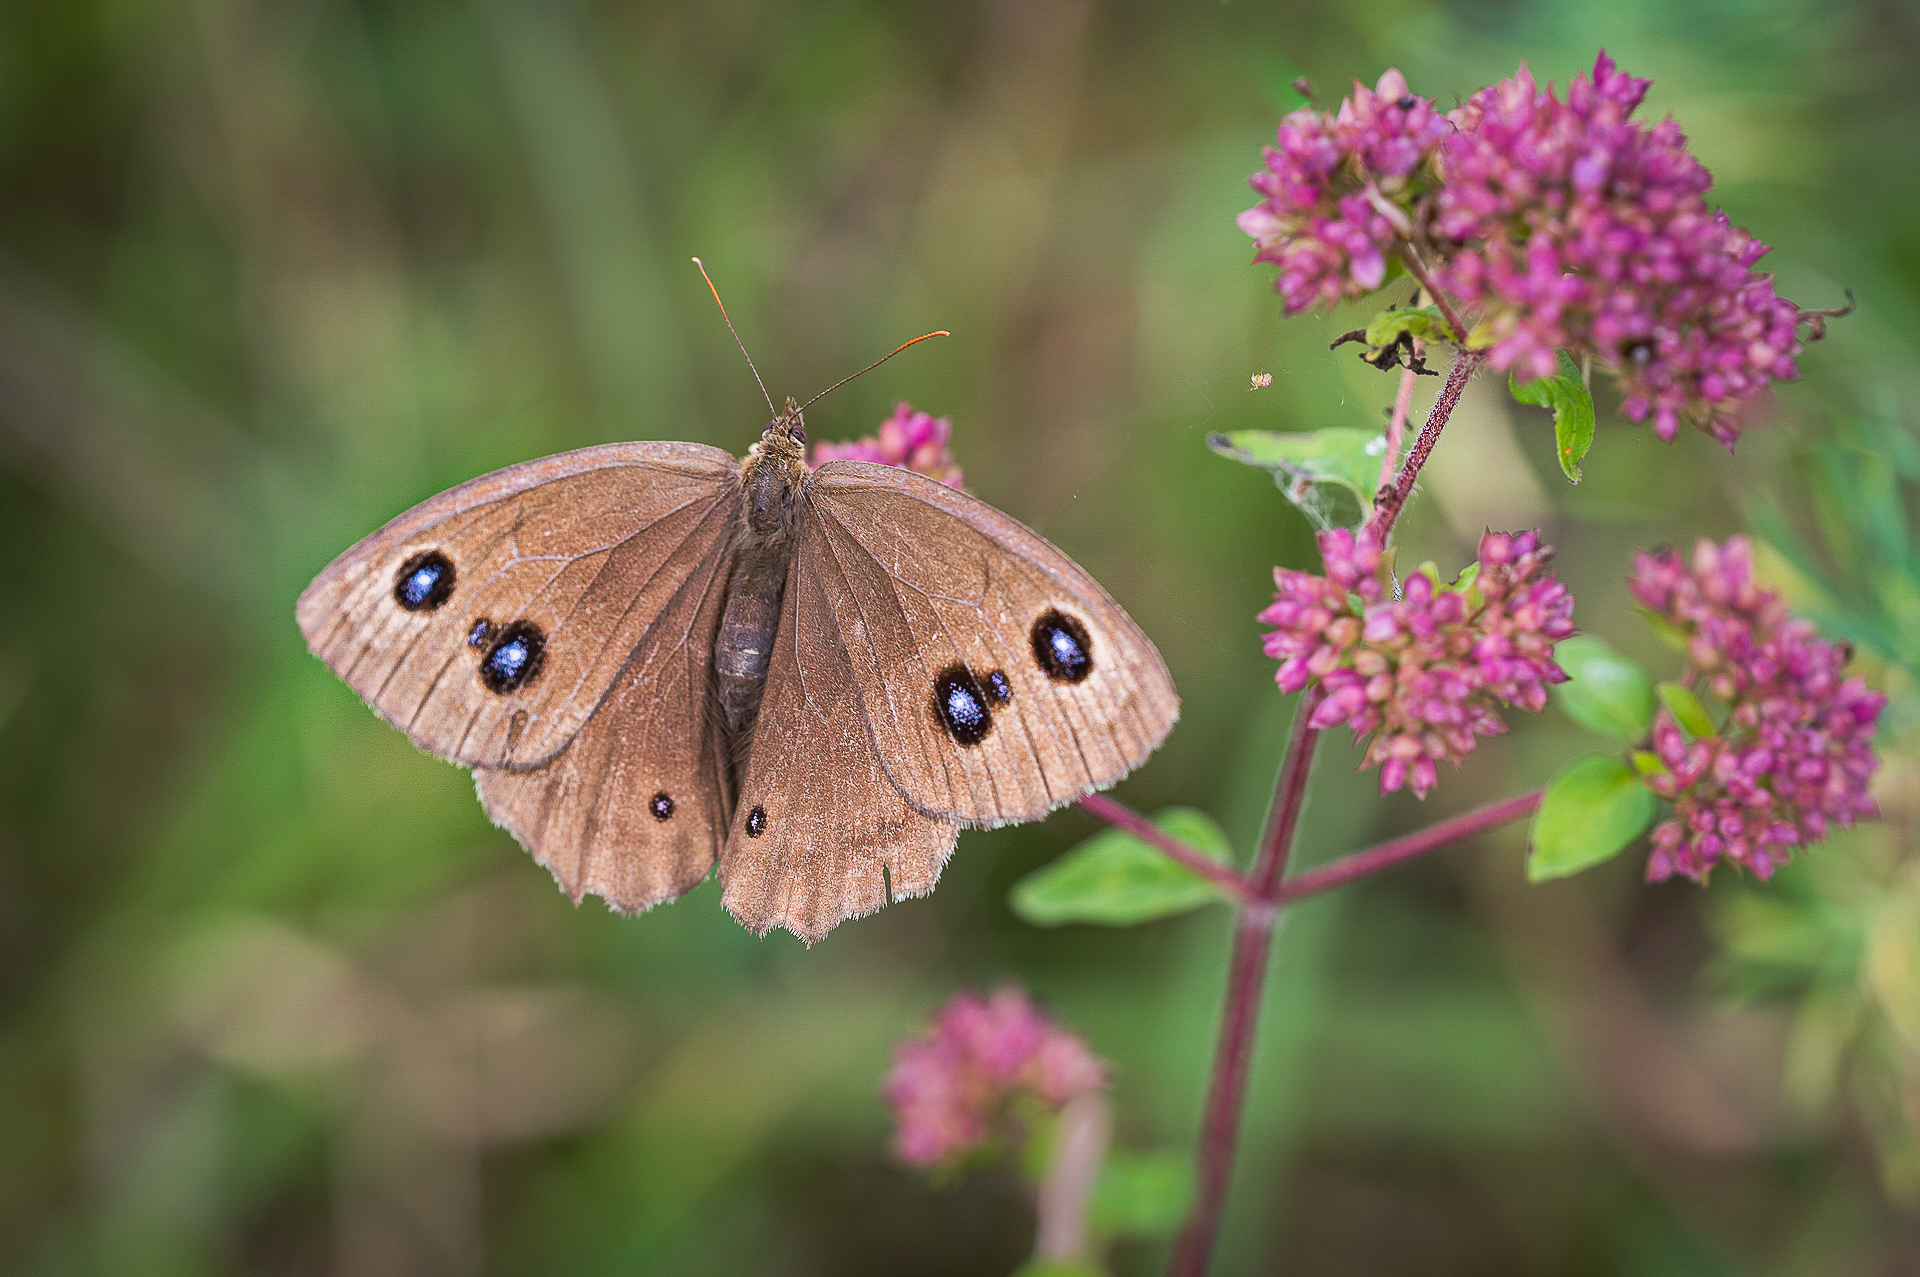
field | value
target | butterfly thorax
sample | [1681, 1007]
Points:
[771, 475]
[770, 480]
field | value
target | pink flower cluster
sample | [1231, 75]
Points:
[1795, 754]
[1424, 673]
[1339, 191]
[1553, 225]
[915, 440]
[951, 1087]
[1568, 226]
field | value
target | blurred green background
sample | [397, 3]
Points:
[274, 997]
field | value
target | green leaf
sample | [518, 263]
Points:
[1142, 1194]
[1646, 762]
[1592, 809]
[1677, 637]
[1330, 474]
[1464, 583]
[1116, 880]
[1604, 692]
[1059, 1268]
[1687, 709]
[1423, 323]
[1566, 393]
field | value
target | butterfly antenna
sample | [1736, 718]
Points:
[736, 336]
[939, 332]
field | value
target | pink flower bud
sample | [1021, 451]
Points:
[1794, 753]
[1423, 674]
[950, 1088]
[910, 439]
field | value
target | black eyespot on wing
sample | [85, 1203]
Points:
[756, 822]
[424, 581]
[513, 658]
[960, 705]
[482, 631]
[998, 687]
[661, 805]
[1061, 647]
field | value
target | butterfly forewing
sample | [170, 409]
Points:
[998, 680]
[817, 817]
[635, 810]
[489, 622]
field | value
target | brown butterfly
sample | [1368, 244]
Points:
[656, 657]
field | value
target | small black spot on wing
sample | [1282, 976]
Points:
[482, 631]
[1061, 647]
[424, 581]
[756, 822]
[998, 687]
[661, 805]
[513, 658]
[960, 705]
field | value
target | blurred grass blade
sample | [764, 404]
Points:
[1142, 1194]
[589, 190]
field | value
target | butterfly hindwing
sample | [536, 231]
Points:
[488, 622]
[635, 809]
[997, 679]
[818, 819]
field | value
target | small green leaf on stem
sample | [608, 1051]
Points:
[1646, 762]
[1116, 880]
[1330, 474]
[1421, 323]
[1674, 636]
[1687, 709]
[1592, 809]
[1604, 692]
[1566, 394]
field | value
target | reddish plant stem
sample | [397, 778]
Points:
[1397, 426]
[1240, 1014]
[1417, 269]
[1121, 816]
[1289, 797]
[1419, 843]
[1388, 503]
[1253, 930]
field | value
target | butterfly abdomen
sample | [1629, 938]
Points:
[743, 649]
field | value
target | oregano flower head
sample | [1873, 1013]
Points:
[909, 438]
[1427, 672]
[1794, 755]
[1551, 225]
[1338, 191]
[952, 1087]
[1570, 226]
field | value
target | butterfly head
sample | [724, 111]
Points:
[786, 434]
